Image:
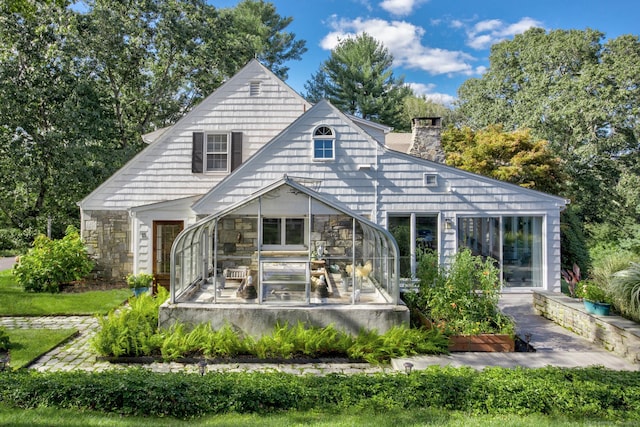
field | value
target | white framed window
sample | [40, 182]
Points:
[278, 233]
[430, 180]
[324, 143]
[217, 152]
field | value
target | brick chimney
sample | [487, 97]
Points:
[426, 138]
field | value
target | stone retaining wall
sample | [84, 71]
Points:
[613, 333]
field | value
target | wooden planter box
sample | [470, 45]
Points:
[484, 342]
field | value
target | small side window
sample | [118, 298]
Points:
[323, 143]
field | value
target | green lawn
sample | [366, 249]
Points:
[14, 301]
[423, 417]
[29, 344]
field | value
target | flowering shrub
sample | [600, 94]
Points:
[462, 299]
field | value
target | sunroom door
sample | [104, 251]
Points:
[164, 233]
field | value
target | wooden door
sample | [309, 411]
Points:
[164, 233]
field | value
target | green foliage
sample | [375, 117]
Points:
[51, 263]
[358, 79]
[586, 392]
[606, 262]
[140, 280]
[625, 291]
[133, 331]
[514, 156]
[4, 339]
[573, 243]
[592, 292]
[397, 342]
[578, 92]
[101, 77]
[461, 299]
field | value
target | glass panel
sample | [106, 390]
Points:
[323, 149]
[522, 251]
[400, 227]
[294, 231]
[271, 231]
[427, 232]
[285, 281]
[480, 235]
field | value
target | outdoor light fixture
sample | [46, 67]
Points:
[4, 362]
[202, 365]
[408, 366]
[448, 224]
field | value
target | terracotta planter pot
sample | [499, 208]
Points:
[483, 342]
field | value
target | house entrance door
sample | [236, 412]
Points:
[164, 233]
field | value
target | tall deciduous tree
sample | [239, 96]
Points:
[580, 94]
[514, 157]
[51, 119]
[358, 79]
[78, 89]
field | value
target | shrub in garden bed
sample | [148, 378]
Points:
[584, 392]
[461, 299]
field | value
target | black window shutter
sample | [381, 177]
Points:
[197, 162]
[236, 149]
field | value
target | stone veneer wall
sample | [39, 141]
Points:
[238, 237]
[107, 237]
[426, 136]
[613, 333]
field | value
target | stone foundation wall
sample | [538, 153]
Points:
[613, 333]
[257, 320]
[107, 236]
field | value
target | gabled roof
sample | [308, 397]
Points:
[96, 199]
[228, 181]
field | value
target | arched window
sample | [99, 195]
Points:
[323, 143]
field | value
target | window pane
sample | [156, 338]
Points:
[295, 231]
[323, 149]
[427, 232]
[400, 227]
[217, 155]
[271, 231]
[522, 251]
[480, 235]
[216, 162]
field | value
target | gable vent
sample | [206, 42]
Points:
[430, 180]
[254, 88]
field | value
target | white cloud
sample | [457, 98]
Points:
[401, 7]
[486, 33]
[427, 91]
[403, 40]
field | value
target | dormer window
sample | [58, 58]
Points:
[323, 143]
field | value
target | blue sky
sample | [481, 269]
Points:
[438, 44]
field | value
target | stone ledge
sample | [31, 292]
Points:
[613, 333]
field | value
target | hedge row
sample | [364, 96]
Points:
[551, 391]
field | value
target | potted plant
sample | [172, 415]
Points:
[140, 283]
[595, 298]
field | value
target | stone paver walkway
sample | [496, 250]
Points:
[555, 346]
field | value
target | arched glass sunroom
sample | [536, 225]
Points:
[285, 245]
